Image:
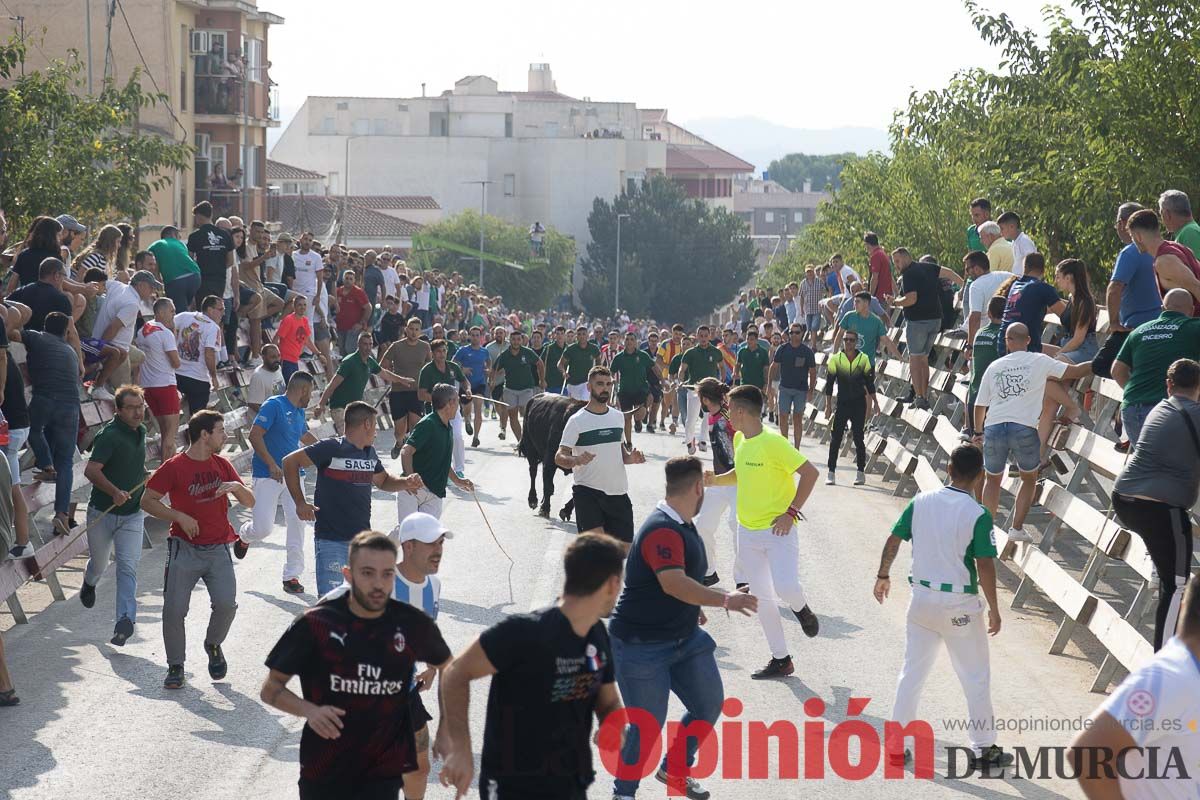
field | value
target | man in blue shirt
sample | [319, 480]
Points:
[475, 361]
[1029, 298]
[1133, 289]
[279, 428]
[348, 469]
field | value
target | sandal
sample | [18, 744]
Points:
[9, 698]
[45, 476]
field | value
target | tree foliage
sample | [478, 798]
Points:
[64, 150]
[1078, 119]
[679, 257]
[538, 286]
[821, 171]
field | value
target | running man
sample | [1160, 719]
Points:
[753, 362]
[591, 447]
[551, 355]
[769, 502]
[667, 352]
[854, 376]
[428, 453]
[631, 366]
[952, 559]
[351, 379]
[700, 362]
[718, 499]
[198, 483]
[494, 348]
[524, 375]
[356, 655]
[279, 429]
[442, 370]
[476, 365]
[406, 357]
[577, 359]
[552, 671]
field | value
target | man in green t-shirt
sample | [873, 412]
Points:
[1176, 211]
[984, 350]
[428, 452]
[577, 359]
[351, 379]
[442, 370]
[550, 357]
[752, 362]
[1145, 355]
[870, 329]
[524, 376]
[632, 366]
[180, 273]
[700, 362]
[116, 469]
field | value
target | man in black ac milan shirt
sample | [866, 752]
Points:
[355, 655]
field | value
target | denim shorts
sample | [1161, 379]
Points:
[1085, 352]
[792, 401]
[1011, 438]
[919, 334]
[813, 321]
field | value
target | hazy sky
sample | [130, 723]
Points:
[809, 64]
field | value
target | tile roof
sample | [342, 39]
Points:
[277, 170]
[421, 202]
[320, 212]
[686, 159]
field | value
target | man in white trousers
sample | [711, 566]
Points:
[768, 505]
[428, 452]
[952, 560]
[279, 428]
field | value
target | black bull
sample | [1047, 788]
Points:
[545, 417]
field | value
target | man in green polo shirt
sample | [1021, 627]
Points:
[524, 375]
[442, 370]
[351, 379]
[702, 361]
[116, 469]
[577, 359]
[1176, 211]
[752, 362]
[633, 365]
[1145, 355]
[180, 274]
[428, 452]
[550, 357]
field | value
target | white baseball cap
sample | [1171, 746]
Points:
[424, 528]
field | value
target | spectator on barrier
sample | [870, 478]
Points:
[1155, 492]
[351, 379]
[198, 335]
[15, 411]
[984, 350]
[811, 291]
[999, 250]
[984, 283]
[101, 358]
[1079, 317]
[1148, 716]
[1022, 245]
[1007, 409]
[53, 366]
[1176, 211]
[1147, 352]
[1175, 266]
[353, 312]
[870, 327]
[41, 242]
[115, 325]
[180, 272]
[922, 304]
[279, 428]
[116, 469]
[212, 248]
[293, 336]
[1132, 289]
[156, 340]
[1030, 298]
[267, 380]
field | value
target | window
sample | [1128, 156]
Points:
[510, 185]
[250, 165]
[335, 183]
[343, 106]
[768, 216]
[361, 127]
[798, 216]
[255, 65]
[379, 127]
[508, 122]
[290, 188]
[328, 126]
[216, 157]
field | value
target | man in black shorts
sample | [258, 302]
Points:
[592, 448]
[356, 655]
[632, 366]
[552, 670]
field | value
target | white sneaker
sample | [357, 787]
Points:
[1019, 535]
[829, 479]
[860, 478]
[101, 393]
[20, 551]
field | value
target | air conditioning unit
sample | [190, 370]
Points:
[199, 43]
[203, 140]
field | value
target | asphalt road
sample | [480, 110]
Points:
[95, 721]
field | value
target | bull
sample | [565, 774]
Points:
[545, 417]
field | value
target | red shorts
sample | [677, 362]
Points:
[163, 400]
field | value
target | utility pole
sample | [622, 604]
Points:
[617, 289]
[345, 190]
[17, 18]
[483, 184]
[87, 24]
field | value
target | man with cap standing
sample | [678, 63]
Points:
[72, 229]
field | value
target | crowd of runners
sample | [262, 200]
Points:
[311, 326]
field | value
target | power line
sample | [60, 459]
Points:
[150, 73]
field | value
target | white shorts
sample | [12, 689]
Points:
[578, 391]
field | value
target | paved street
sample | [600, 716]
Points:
[95, 721]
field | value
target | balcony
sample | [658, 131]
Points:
[220, 95]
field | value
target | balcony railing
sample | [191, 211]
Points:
[219, 94]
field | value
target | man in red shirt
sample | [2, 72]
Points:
[353, 312]
[1175, 267]
[879, 268]
[198, 483]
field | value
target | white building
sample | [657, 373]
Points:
[547, 155]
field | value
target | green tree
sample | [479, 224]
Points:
[679, 257]
[535, 287]
[63, 150]
[822, 172]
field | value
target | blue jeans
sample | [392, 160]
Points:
[289, 368]
[647, 674]
[1133, 418]
[183, 290]
[53, 430]
[330, 557]
[124, 532]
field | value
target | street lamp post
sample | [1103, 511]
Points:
[617, 288]
[483, 184]
[346, 188]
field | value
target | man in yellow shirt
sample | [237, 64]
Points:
[768, 506]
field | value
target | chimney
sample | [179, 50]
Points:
[422, 88]
[541, 79]
[807, 187]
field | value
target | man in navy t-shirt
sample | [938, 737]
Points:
[279, 428]
[347, 469]
[1029, 298]
[655, 627]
